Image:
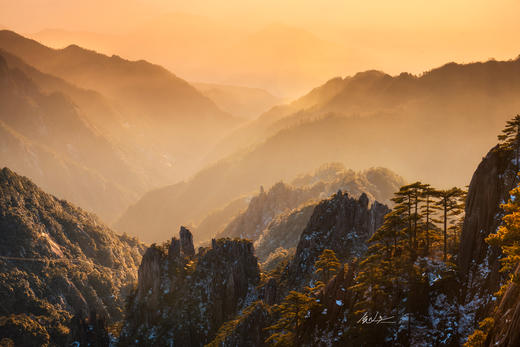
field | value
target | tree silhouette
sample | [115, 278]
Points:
[427, 211]
[510, 138]
[450, 204]
[408, 200]
[292, 312]
[327, 265]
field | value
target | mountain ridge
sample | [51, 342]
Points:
[59, 264]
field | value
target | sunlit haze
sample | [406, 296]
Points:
[259, 173]
[229, 41]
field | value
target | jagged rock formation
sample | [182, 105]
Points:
[276, 218]
[57, 261]
[478, 262]
[265, 206]
[341, 223]
[489, 187]
[187, 247]
[183, 298]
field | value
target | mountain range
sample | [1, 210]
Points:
[449, 299]
[98, 118]
[349, 119]
[210, 205]
[283, 59]
[369, 119]
[59, 264]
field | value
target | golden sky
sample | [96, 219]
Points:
[393, 36]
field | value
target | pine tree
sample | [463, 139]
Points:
[450, 204]
[408, 200]
[428, 211]
[327, 265]
[292, 312]
[510, 138]
[508, 235]
[383, 275]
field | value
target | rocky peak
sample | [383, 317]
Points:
[489, 187]
[478, 262]
[186, 242]
[341, 223]
[192, 296]
[150, 275]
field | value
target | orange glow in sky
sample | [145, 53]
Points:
[286, 47]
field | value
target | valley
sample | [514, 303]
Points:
[244, 174]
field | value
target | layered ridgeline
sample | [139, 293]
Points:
[370, 119]
[46, 137]
[189, 299]
[246, 215]
[374, 119]
[277, 57]
[275, 219]
[152, 128]
[59, 265]
[425, 269]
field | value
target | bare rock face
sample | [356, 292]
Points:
[150, 275]
[478, 262]
[186, 242]
[183, 300]
[489, 187]
[174, 251]
[342, 224]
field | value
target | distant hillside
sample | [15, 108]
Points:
[191, 202]
[57, 262]
[284, 59]
[275, 218]
[239, 101]
[48, 138]
[447, 115]
[376, 183]
[162, 112]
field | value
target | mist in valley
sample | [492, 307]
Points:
[253, 128]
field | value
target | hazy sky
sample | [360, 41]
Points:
[394, 36]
